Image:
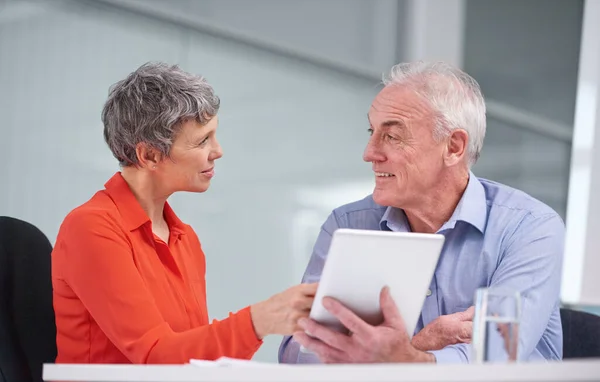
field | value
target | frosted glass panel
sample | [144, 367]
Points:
[526, 53]
[525, 160]
[286, 127]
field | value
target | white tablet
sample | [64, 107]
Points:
[361, 262]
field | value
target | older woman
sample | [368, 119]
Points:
[128, 275]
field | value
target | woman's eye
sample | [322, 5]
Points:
[203, 141]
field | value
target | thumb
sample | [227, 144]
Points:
[466, 332]
[468, 314]
[391, 315]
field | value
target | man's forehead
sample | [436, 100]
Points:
[395, 93]
[397, 98]
[387, 100]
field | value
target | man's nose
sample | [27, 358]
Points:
[373, 153]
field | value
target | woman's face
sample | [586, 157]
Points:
[191, 164]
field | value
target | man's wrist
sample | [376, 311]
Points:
[415, 355]
[417, 343]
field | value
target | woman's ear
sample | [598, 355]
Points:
[148, 156]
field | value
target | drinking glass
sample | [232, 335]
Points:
[496, 325]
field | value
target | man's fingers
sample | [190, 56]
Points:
[503, 329]
[350, 320]
[325, 352]
[468, 314]
[391, 315]
[334, 339]
[467, 332]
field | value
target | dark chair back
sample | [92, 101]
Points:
[27, 325]
[581, 334]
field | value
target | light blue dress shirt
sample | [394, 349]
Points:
[497, 237]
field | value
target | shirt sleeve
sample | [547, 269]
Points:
[453, 354]
[289, 350]
[530, 264]
[94, 259]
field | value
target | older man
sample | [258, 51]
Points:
[427, 127]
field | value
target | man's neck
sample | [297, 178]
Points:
[147, 193]
[436, 208]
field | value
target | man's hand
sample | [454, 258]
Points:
[388, 342]
[446, 330]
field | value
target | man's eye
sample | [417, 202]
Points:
[203, 141]
[391, 137]
[370, 131]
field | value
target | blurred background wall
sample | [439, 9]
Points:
[296, 79]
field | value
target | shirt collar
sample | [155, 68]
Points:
[130, 209]
[471, 209]
[394, 219]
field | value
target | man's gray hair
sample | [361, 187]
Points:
[149, 107]
[454, 96]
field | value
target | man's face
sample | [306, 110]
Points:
[406, 159]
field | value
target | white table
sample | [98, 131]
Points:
[558, 371]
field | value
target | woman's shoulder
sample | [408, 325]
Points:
[99, 210]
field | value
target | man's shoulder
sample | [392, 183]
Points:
[507, 200]
[363, 213]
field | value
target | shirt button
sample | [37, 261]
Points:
[428, 292]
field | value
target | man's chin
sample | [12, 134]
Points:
[380, 198]
[384, 198]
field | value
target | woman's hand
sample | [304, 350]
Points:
[280, 313]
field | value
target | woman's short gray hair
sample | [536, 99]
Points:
[149, 106]
[454, 96]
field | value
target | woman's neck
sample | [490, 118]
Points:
[147, 193]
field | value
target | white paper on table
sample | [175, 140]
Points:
[233, 362]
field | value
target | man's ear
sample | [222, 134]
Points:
[148, 156]
[456, 147]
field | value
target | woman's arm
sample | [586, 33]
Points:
[96, 262]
